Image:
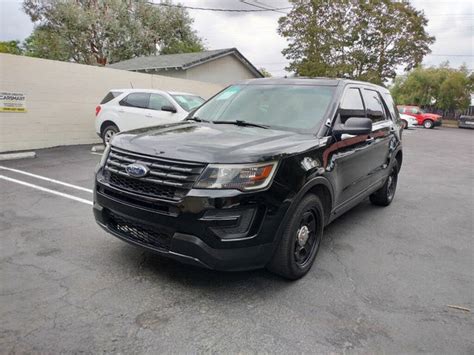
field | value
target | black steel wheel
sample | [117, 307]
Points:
[300, 240]
[384, 196]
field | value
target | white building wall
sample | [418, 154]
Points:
[61, 99]
[224, 71]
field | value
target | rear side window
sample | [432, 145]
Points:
[374, 105]
[110, 96]
[136, 99]
[158, 101]
[392, 109]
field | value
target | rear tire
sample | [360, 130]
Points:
[404, 124]
[108, 132]
[429, 124]
[300, 241]
[384, 196]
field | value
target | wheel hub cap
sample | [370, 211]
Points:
[302, 235]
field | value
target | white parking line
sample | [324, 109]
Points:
[46, 190]
[46, 179]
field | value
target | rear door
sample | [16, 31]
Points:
[382, 132]
[131, 112]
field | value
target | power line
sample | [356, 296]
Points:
[217, 9]
[262, 6]
[451, 55]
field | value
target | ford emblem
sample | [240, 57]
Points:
[137, 170]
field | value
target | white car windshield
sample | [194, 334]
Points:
[188, 102]
[293, 107]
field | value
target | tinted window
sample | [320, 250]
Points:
[401, 109]
[110, 96]
[374, 106]
[188, 102]
[293, 107]
[352, 100]
[414, 110]
[391, 106]
[136, 99]
[157, 101]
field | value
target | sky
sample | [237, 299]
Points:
[255, 35]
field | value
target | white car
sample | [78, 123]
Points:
[125, 109]
[408, 121]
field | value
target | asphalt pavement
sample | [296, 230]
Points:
[382, 283]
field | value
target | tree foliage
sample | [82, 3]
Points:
[442, 87]
[366, 40]
[265, 72]
[107, 31]
[11, 47]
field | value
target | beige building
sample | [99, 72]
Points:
[221, 66]
[59, 99]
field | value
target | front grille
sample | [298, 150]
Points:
[167, 179]
[138, 232]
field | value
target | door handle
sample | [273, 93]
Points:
[148, 115]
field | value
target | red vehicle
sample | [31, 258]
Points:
[427, 120]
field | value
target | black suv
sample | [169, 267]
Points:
[251, 178]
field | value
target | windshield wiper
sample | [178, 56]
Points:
[242, 123]
[195, 118]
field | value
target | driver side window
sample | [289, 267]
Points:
[158, 101]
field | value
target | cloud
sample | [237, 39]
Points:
[14, 23]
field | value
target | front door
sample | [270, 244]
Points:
[156, 115]
[348, 156]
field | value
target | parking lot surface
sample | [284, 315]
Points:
[382, 281]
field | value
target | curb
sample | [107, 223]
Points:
[13, 156]
[97, 148]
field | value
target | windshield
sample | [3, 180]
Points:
[188, 102]
[293, 107]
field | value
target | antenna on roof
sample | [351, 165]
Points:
[131, 85]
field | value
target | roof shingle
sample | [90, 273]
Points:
[179, 61]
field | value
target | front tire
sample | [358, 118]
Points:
[428, 124]
[300, 241]
[108, 133]
[384, 196]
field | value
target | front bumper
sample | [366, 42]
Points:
[223, 230]
[438, 123]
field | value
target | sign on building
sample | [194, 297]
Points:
[12, 102]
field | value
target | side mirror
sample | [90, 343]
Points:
[355, 126]
[375, 114]
[168, 108]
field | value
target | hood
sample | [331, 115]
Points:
[431, 115]
[213, 143]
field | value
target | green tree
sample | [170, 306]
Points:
[107, 31]
[265, 72]
[46, 43]
[366, 40]
[11, 47]
[442, 87]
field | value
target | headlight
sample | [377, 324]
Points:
[239, 176]
[105, 154]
